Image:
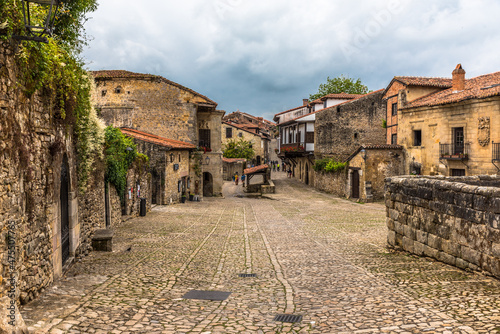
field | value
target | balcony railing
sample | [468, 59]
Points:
[454, 151]
[496, 152]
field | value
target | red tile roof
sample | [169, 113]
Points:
[122, 74]
[424, 81]
[244, 128]
[477, 88]
[233, 160]
[255, 169]
[154, 139]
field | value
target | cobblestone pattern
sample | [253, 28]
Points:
[453, 222]
[326, 261]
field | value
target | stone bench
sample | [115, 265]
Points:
[102, 240]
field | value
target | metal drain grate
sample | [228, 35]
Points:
[206, 295]
[247, 275]
[291, 318]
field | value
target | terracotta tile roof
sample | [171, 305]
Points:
[122, 74]
[341, 96]
[374, 147]
[233, 160]
[255, 169]
[244, 128]
[154, 139]
[424, 81]
[476, 88]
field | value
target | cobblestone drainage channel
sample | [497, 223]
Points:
[207, 295]
[247, 275]
[291, 318]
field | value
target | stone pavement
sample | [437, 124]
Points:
[313, 255]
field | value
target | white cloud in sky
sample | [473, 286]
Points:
[263, 57]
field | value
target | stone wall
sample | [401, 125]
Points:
[341, 129]
[453, 220]
[332, 183]
[34, 145]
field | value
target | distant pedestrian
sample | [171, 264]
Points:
[289, 172]
[278, 167]
[236, 178]
[243, 179]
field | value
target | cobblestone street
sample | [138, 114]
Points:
[314, 255]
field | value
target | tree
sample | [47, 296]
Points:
[339, 85]
[240, 149]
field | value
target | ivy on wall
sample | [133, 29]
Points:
[56, 72]
[329, 165]
[121, 152]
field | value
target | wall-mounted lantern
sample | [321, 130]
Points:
[207, 161]
[363, 154]
[38, 29]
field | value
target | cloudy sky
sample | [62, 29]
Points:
[265, 56]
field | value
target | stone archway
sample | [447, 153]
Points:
[208, 185]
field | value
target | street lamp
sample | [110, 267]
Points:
[207, 161]
[363, 154]
[38, 31]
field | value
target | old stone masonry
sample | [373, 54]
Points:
[325, 262]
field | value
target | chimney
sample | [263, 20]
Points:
[305, 102]
[458, 78]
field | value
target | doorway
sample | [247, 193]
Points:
[64, 204]
[208, 186]
[355, 184]
[306, 178]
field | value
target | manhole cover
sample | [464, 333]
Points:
[247, 275]
[206, 295]
[291, 318]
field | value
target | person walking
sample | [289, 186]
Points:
[236, 178]
[278, 166]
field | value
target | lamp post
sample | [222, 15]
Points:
[36, 31]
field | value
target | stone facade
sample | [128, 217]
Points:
[364, 179]
[341, 129]
[303, 170]
[453, 220]
[37, 157]
[260, 144]
[436, 126]
[161, 107]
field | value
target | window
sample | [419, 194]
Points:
[458, 140]
[118, 90]
[394, 109]
[240, 134]
[356, 135]
[417, 137]
[325, 104]
[179, 158]
[103, 93]
[394, 139]
[229, 132]
[310, 137]
[458, 172]
[204, 138]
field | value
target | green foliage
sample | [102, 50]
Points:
[384, 123]
[55, 72]
[118, 158]
[339, 85]
[240, 149]
[329, 165]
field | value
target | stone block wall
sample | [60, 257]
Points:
[332, 183]
[341, 129]
[454, 220]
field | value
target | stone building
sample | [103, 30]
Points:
[260, 142]
[262, 125]
[43, 214]
[453, 131]
[169, 166]
[331, 100]
[158, 106]
[404, 89]
[342, 129]
[232, 166]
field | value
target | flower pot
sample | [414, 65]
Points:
[191, 197]
[183, 199]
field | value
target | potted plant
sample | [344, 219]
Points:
[183, 198]
[191, 197]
